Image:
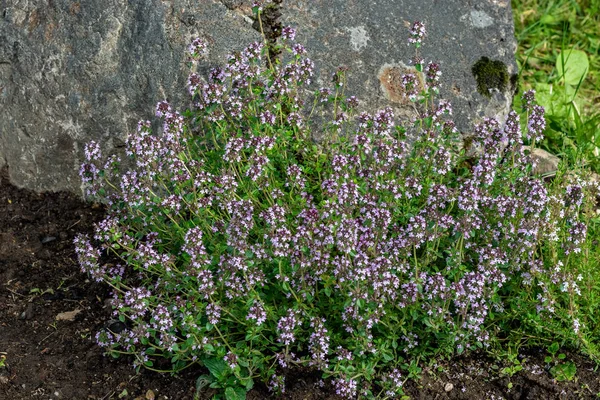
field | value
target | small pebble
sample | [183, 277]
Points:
[48, 239]
[28, 313]
[448, 387]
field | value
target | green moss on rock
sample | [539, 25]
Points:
[490, 74]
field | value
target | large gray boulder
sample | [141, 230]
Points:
[72, 71]
[370, 38]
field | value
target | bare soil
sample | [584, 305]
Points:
[48, 354]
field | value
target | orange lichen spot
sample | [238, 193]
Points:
[75, 8]
[34, 20]
[50, 27]
[390, 77]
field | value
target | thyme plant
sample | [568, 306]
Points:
[235, 241]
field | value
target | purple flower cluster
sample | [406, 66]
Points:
[213, 312]
[346, 388]
[136, 302]
[536, 124]
[318, 344]
[286, 327]
[88, 257]
[257, 313]
[417, 33]
[411, 86]
[277, 384]
[198, 48]
[432, 76]
[231, 359]
[288, 33]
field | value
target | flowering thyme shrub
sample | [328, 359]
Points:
[249, 249]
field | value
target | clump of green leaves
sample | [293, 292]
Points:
[558, 57]
[560, 369]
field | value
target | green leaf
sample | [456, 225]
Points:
[216, 366]
[243, 362]
[237, 393]
[553, 98]
[573, 65]
[548, 19]
[564, 372]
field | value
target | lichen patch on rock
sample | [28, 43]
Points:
[358, 37]
[490, 74]
[390, 77]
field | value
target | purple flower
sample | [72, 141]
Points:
[286, 327]
[233, 149]
[352, 102]
[411, 87]
[383, 121]
[89, 177]
[161, 318]
[536, 124]
[528, 100]
[194, 247]
[432, 76]
[88, 257]
[295, 119]
[319, 344]
[324, 94]
[577, 233]
[512, 129]
[193, 83]
[288, 33]
[298, 49]
[162, 108]
[198, 48]
[92, 151]
[213, 312]
[257, 313]
[252, 52]
[231, 359]
[417, 33]
[418, 61]
[137, 299]
[277, 384]
[346, 388]
[259, 4]
[573, 195]
[267, 117]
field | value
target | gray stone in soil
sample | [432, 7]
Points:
[72, 71]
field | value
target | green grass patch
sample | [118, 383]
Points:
[558, 56]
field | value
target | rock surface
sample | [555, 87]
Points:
[72, 71]
[370, 38]
[547, 163]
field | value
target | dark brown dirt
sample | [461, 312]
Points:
[46, 358]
